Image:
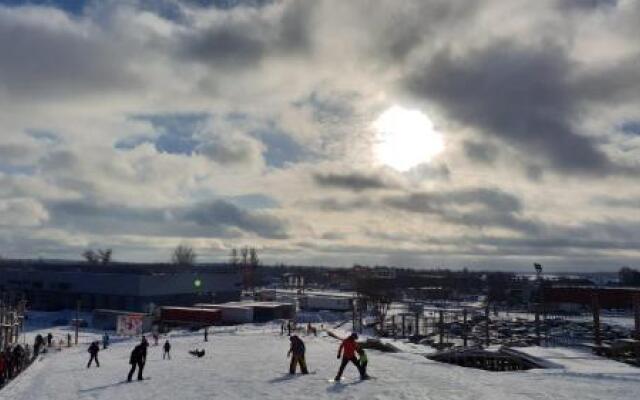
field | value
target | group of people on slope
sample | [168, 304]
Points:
[291, 327]
[13, 359]
[137, 359]
[347, 351]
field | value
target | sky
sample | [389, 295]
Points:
[484, 134]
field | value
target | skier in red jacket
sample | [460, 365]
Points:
[348, 350]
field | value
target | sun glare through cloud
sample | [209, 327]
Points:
[405, 138]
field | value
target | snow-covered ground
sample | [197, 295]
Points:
[249, 362]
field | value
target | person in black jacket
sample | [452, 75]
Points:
[38, 345]
[49, 339]
[93, 350]
[167, 350]
[138, 359]
[296, 351]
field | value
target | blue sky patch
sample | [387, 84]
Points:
[281, 148]
[176, 132]
[631, 127]
[74, 7]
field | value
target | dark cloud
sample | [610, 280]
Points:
[523, 95]
[244, 42]
[227, 4]
[484, 153]
[225, 46]
[17, 154]
[224, 214]
[333, 204]
[352, 181]
[218, 218]
[493, 199]
[612, 83]
[471, 207]
[615, 202]
[58, 59]
[406, 26]
[585, 5]
[535, 173]
[231, 150]
[333, 236]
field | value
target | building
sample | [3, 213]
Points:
[51, 286]
[188, 316]
[333, 301]
[107, 320]
[252, 311]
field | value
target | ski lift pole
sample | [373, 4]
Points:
[77, 320]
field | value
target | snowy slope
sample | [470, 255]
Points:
[250, 362]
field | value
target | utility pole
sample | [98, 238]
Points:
[464, 327]
[486, 330]
[537, 323]
[77, 319]
[441, 325]
[595, 305]
[636, 312]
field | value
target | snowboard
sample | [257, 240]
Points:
[349, 381]
[135, 380]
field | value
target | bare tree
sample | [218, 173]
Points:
[105, 256]
[91, 256]
[233, 257]
[244, 252]
[253, 258]
[184, 256]
[100, 256]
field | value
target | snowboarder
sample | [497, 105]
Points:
[93, 350]
[38, 345]
[167, 350]
[197, 353]
[145, 343]
[348, 349]
[105, 341]
[68, 340]
[296, 352]
[49, 339]
[363, 360]
[137, 359]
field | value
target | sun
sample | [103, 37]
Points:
[405, 138]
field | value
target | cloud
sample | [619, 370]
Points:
[484, 153]
[242, 37]
[352, 181]
[232, 150]
[138, 124]
[22, 212]
[470, 207]
[520, 94]
[212, 219]
[46, 53]
[224, 214]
